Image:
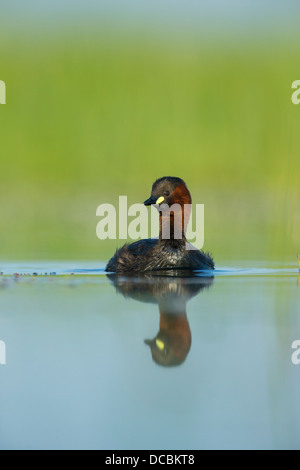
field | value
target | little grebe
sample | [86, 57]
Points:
[165, 252]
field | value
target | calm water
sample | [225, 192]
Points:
[153, 363]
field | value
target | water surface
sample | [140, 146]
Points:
[156, 362]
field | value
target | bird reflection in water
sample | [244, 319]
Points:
[171, 291]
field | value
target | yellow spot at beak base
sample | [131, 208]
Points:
[160, 344]
[160, 200]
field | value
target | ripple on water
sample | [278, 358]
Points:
[81, 269]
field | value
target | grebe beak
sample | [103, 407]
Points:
[150, 201]
[155, 342]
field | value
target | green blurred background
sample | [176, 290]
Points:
[98, 108]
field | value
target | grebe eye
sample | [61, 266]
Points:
[167, 193]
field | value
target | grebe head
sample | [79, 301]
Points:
[169, 190]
